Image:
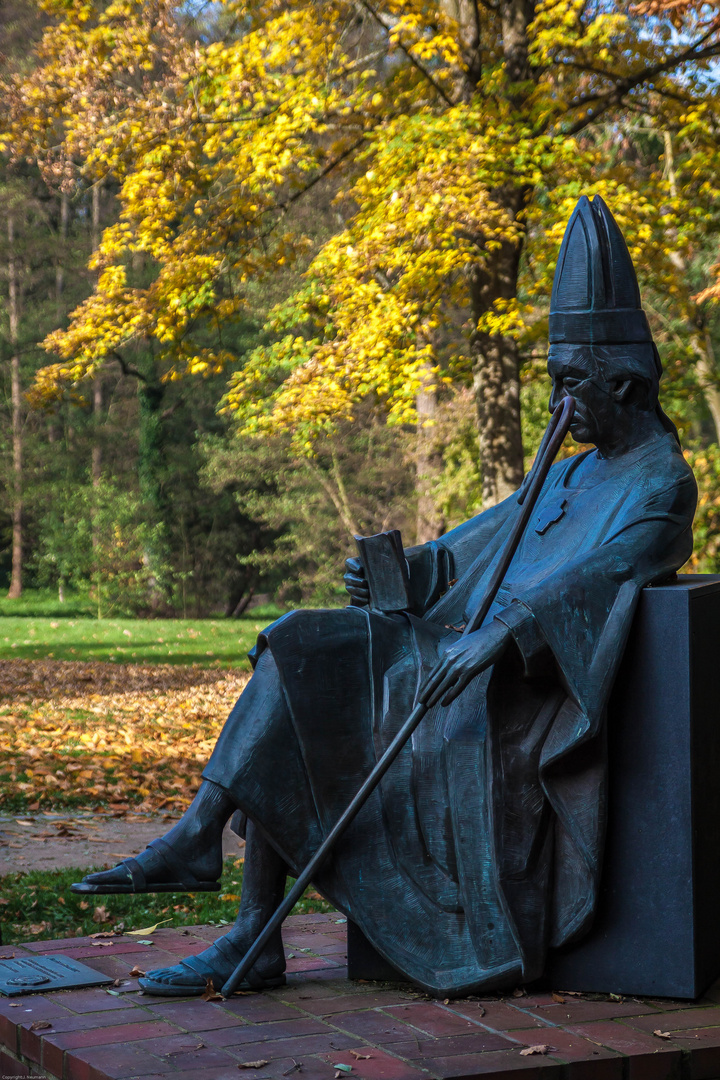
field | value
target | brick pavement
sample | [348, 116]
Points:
[320, 1020]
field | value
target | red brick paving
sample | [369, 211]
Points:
[320, 1020]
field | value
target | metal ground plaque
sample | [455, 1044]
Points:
[38, 974]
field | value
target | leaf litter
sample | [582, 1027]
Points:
[102, 728]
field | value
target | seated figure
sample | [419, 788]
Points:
[482, 847]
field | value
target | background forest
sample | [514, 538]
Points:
[278, 272]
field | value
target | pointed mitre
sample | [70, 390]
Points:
[595, 296]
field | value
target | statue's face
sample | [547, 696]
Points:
[597, 401]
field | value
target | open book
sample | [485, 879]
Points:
[386, 570]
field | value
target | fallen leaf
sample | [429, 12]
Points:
[136, 973]
[83, 905]
[615, 997]
[360, 1057]
[40, 1025]
[541, 1048]
[519, 992]
[146, 929]
[210, 993]
[101, 914]
[118, 982]
[186, 1049]
[3, 900]
[14, 1004]
[558, 999]
[662, 1034]
[38, 928]
[101, 944]
[103, 934]
[253, 1064]
[101, 719]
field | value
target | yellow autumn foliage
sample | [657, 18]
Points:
[446, 167]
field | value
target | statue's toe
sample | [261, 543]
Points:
[216, 963]
[178, 981]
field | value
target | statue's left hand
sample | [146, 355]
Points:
[356, 582]
[464, 660]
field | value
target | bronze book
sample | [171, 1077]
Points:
[386, 570]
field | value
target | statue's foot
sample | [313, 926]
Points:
[158, 869]
[190, 977]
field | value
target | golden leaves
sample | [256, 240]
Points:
[105, 729]
[210, 141]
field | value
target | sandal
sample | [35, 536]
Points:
[185, 880]
[202, 969]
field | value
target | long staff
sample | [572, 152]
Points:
[552, 441]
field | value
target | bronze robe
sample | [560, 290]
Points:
[483, 846]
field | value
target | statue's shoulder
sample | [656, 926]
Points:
[665, 463]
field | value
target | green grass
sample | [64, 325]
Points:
[220, 642]
[40, 905]
[45, 602]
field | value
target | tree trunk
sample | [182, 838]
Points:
[151, 460]
[706, 365]
[97, 420]
[496, 360]
[496, 372]
[707, 372]
[96, 467]
[428, 464]
[60, 264]
[15, 589]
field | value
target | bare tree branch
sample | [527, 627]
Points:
[625, 84]
[126, 368]
[416, 63]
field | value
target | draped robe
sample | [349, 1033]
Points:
[482, 847]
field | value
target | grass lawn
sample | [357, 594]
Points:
[40, 905]
[218, 642]
[130, 722]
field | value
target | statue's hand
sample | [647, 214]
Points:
[356, 583]
[464, 660]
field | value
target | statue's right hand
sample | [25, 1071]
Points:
[356, 583]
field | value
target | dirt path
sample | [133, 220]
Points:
[48, 841]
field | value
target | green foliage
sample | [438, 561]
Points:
[318, 201]
[98, 534]
[357, 483]
[705, 464]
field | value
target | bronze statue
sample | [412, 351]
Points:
[482, 846]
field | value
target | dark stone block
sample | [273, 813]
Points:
[364, 962]
[656, 930]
